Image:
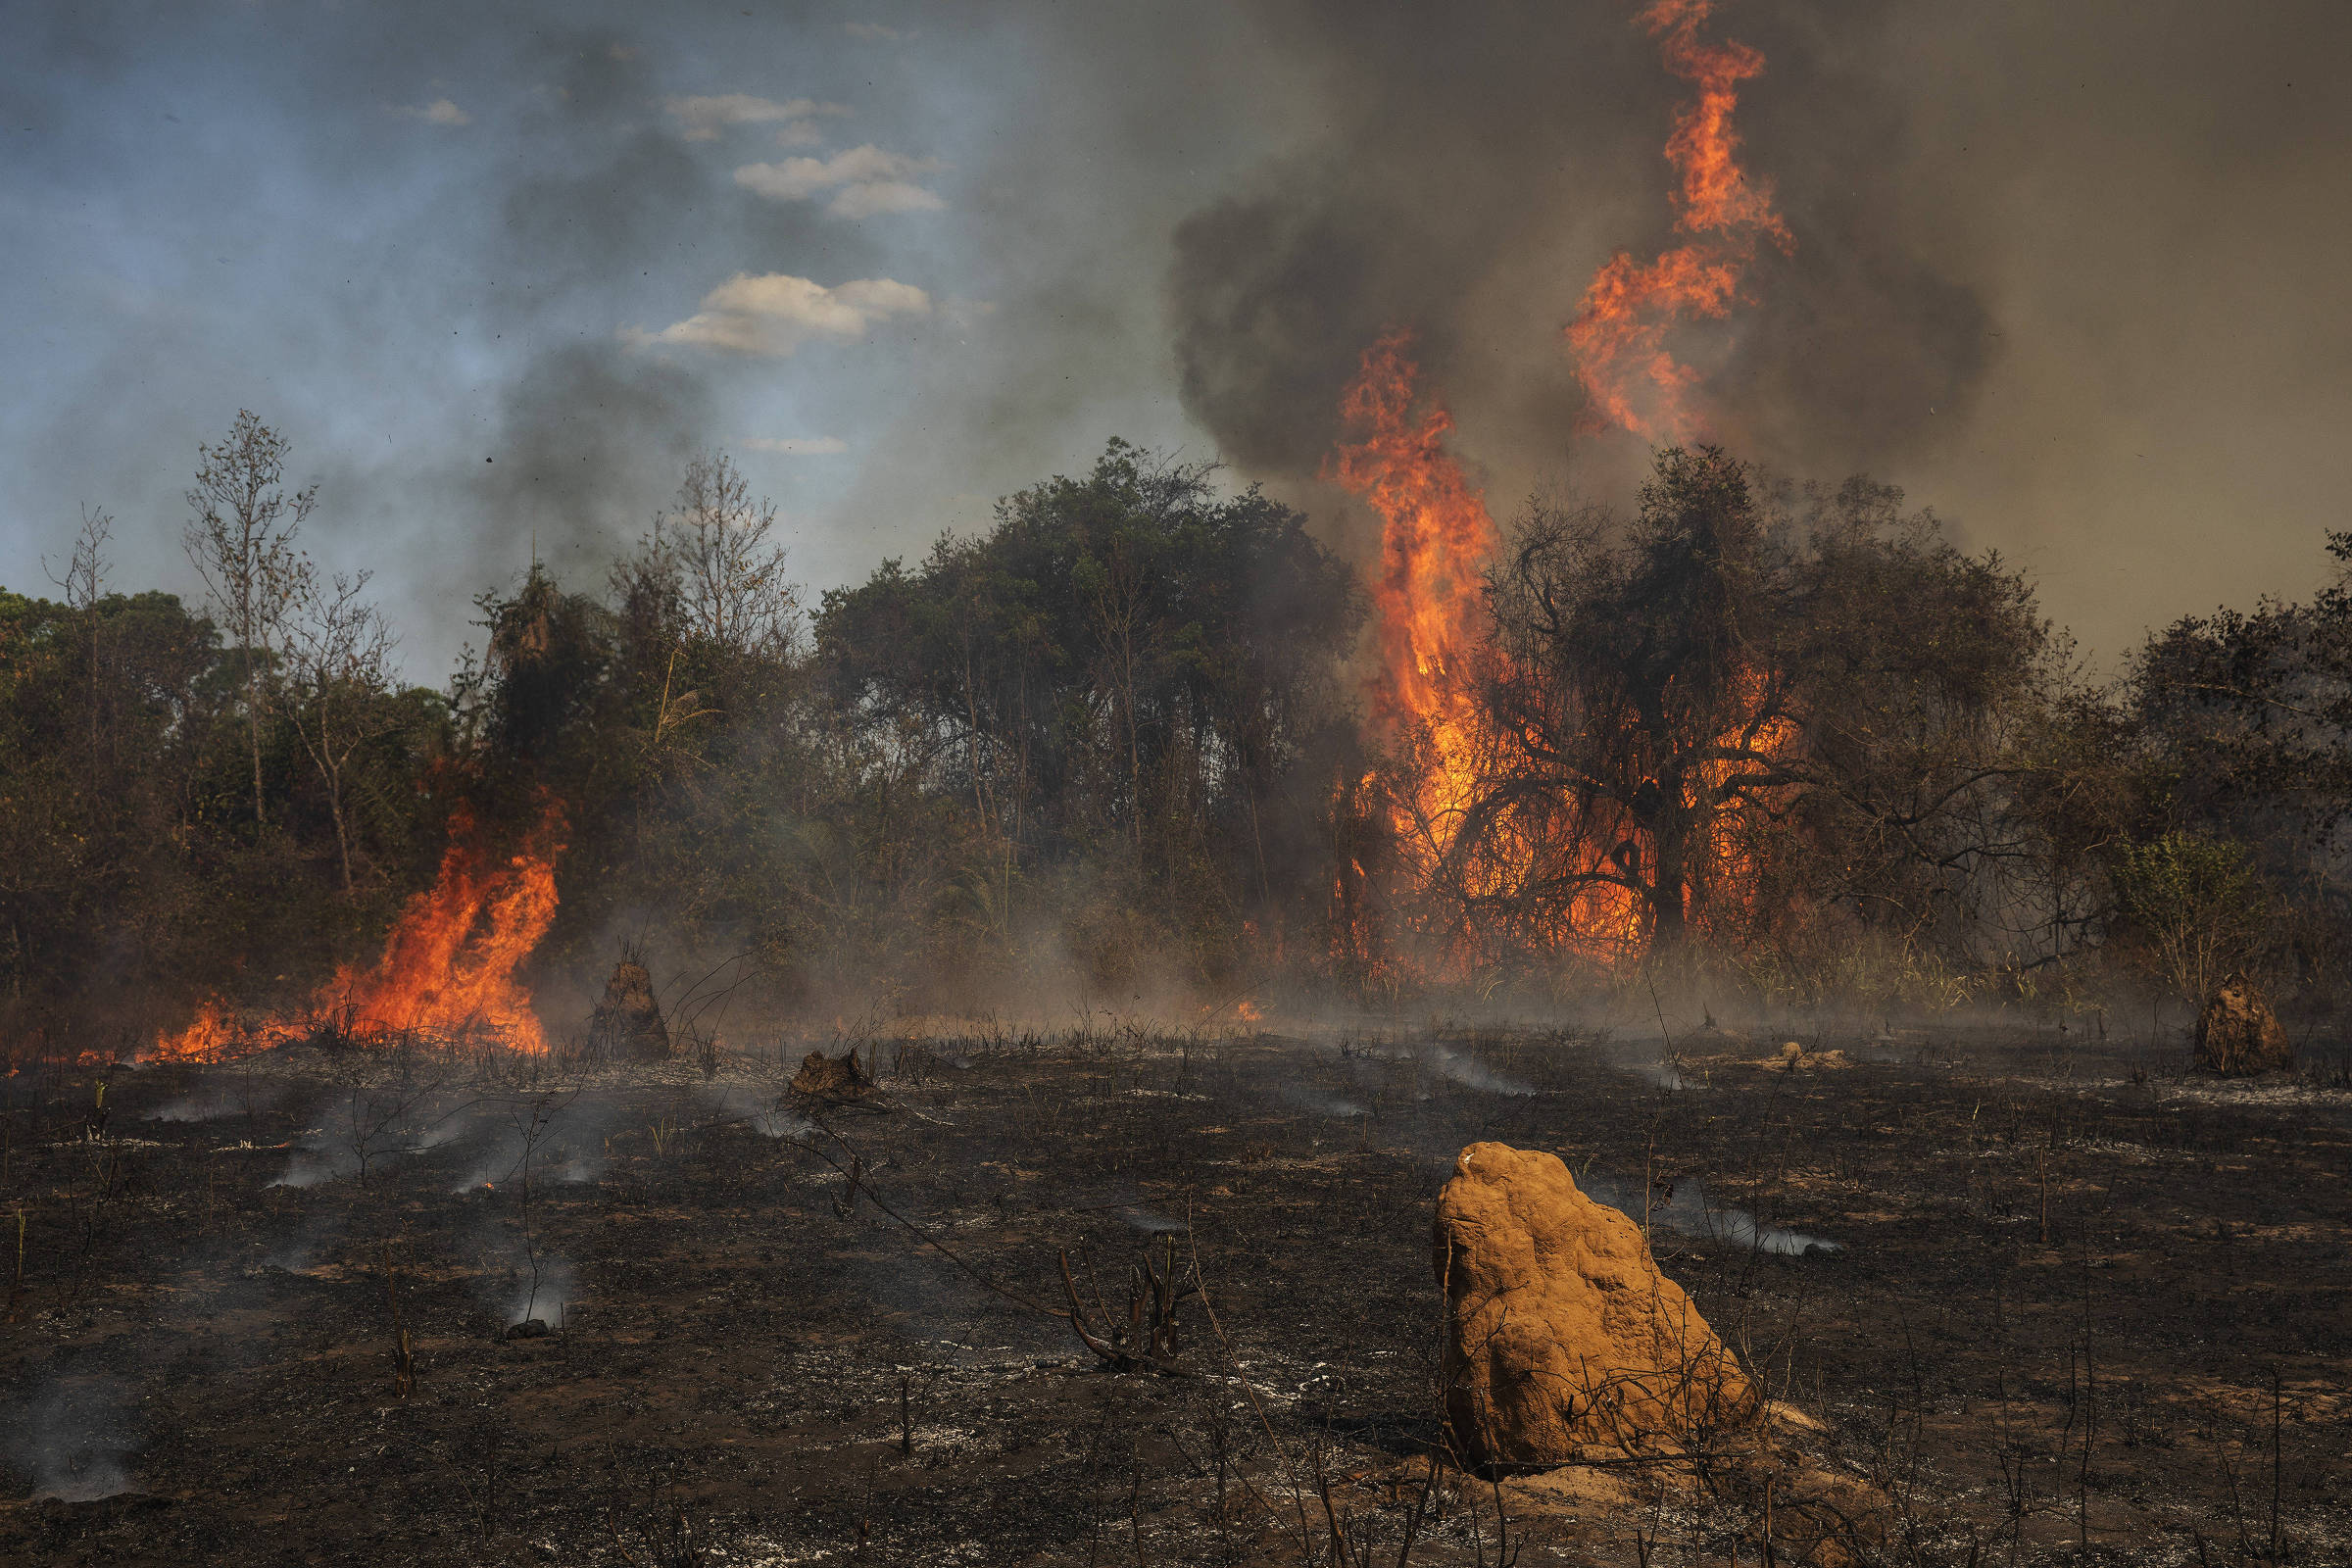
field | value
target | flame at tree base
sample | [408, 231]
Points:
[448, 967]
[1441, 856]
[1436, 539]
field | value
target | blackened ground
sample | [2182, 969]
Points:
[2072, 1301]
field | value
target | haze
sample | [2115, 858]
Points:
[2070, 275]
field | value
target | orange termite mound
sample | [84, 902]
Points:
[2238, 1033]
[448, 967]
[1560, 1332]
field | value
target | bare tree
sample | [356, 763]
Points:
[241, 543]
[732, 593]
[338, 651]
[84, 581]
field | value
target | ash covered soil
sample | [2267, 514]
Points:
[2026, 1296]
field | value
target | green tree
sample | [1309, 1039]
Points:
[2196, 907]
[1128, 673]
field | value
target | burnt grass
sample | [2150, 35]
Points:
[2082, 1305]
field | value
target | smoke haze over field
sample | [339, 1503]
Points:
[2067, 273]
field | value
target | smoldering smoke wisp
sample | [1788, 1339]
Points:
[73, 1438]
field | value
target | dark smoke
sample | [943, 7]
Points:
[2066, 272]
[1482, 164]
[592, 436]
[592, 439]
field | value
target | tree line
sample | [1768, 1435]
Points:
[1788, 735]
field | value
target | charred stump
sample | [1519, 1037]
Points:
[833, 1080]
[1148, 1340]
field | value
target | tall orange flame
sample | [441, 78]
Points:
[1619, 336]
[448, 965]
[1436, 537]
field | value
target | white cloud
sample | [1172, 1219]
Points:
[811, 446]
[774, 312]
[865, 180]
[798, 133]
[440, 112]
[875, 32]
[882, 196]
[702, 118]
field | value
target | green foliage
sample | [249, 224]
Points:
[1821, 750]
[130, 861]
[1128, 674]
[2194, 909]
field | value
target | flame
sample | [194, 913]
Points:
[1436, 537]
[1619, 334]
[1730, 862]
[214, 1037]
[448, 967]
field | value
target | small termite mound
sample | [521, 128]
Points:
[627, 1022]
[2238, 1033]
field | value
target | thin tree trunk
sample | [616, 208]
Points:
[1668, 890]
[253, 717]
[1135, 749]
[334, 806]
[252, 727]
[92, 615]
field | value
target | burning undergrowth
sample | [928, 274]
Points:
[446, 972]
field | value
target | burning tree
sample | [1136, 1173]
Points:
[1639, 716]
[1755, 716]
[1749, 717]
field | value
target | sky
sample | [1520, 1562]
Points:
[2070, 275]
